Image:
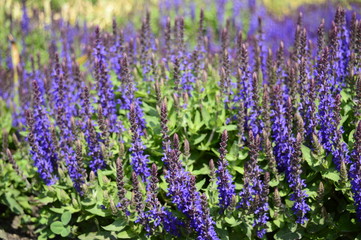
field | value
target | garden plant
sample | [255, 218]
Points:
[220, 121]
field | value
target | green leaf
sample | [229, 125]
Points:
[200, 184]
[65, 232]
[351, 208]
[232, 221]
[126, 234]
[351, 138]
[96, 210]
[223, 234]
[306, 154]
[57, 227]
[286, 234]
[96, 236]
[46, 200]
[117, 225]
[345, 96]
[66, 217]
[277, 222]
[57, 210]
[205, 116]
[62, 195]
[333, 175]
[200, 138]
[238, 169]
[203, 171]
[88, 202]
[274, 182]
[228, 128]
[348, 224]
[13, 204]
[234, 150]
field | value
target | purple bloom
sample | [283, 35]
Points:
[261, 211]
[94, 148]
[252, 184]
[225, 184]
[183, 192]
[293, 176]
[139, 160]
[355, 171]
[280, 130]
[42, 148]
[104, 84]
[156, 214]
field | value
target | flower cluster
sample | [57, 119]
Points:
[287, 90]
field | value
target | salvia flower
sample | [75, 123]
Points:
[182, 190]
[280, 130]
[42, 148]
[293, 175]
[157, 215]
[355, 171]
[94, 148]
[262, 207]
[104, 84]
[123, 201]
[252, 183]
[225, 184]
[139, 159]
[75, 166]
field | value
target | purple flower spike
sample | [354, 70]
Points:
[225, 184]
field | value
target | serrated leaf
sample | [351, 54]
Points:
[66, 217]
[13, 204]
[57, 227]
[333, 175]
[117, 225]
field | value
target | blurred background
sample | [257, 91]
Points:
[40, 20]
[101, 12]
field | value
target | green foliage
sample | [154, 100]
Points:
[59, 212]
